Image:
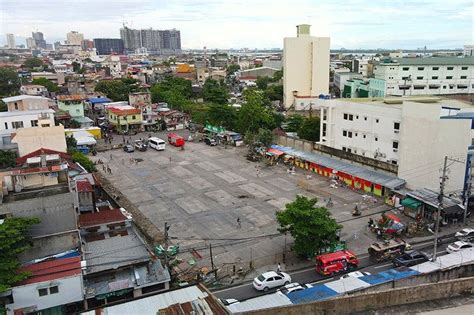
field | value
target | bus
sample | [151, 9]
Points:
[156, 143]
[332, 263]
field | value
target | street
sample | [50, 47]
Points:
[309, 275]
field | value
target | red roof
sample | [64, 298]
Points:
[53, 269]
[98, 218]
[84, 186]
[120, 112]
[42, 151]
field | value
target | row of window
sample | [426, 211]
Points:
[19, 124]
[346, 149]
[346, 116]
[124, 117]
[434, 87]
[433, 68]
[48, 291]
[448, 77]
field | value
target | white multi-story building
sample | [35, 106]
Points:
[33, 89]
[306, 66]
[427, 76]
[468, 50]
[11, 41]
[407, 132]
[74, 38]
[26, 102]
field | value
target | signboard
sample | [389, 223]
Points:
[215, 129]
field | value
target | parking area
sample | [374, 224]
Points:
[203, 192]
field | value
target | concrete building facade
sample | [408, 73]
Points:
[153, 41]
[11, 41]
[26, 102]
[306, 66]
[74, 38]
[109, 46]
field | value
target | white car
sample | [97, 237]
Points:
[270, 280]
[293, 287]
[356, 274]
[464, 233]
[457, 246]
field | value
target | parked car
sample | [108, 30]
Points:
[467, 239]
[128, 148]
[457, 246]
[410, 259]
[140, 145]
[356, 274]
[467, 232]
[293, 287]
[270, 280]
[210, 141]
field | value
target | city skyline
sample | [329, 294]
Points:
[254, 24]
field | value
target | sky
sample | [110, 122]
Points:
[351, 24]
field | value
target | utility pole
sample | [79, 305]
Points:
[468, 194]
[440, 206]
[212, 261]
[167, 227]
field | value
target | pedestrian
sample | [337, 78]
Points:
[103, 167]
[123, 140]
[109, 170]
[278, 268]
[111, 158]
[239, 225]
[170, 159]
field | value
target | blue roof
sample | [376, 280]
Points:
[316, 293]
[389, 275]
[386, 180]
[99, 100]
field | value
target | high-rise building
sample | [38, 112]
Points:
[11, 41]
[39, 40]
[154, 41]
[87, 44]
[74, 38]
[30, 43]
[306, 68]
[109, 46]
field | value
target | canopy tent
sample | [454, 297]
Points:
[84, 138]
[275, 152]
[411, 203]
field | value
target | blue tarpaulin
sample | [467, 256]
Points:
[316, 293]
[389, 275]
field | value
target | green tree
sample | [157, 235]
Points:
[71, 144]
[262, 83]
[214, 92]
[9, 82]
[231, 69]
[253, 115]
[14, 240]
[82, 159]
[174, 91]
[76, 66]
[49, 85]
[274, 92]
[311, 227]
[7, 158]
[118, 89]
[309, 130]
[222, 115]
[294, 123]
[32, 63]
[265, 137]
[277, 76]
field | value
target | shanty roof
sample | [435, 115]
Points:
[83, 186]
[386, 180]
[98, 218]
[21, 98]
[124, 111]
[39, 152]
[430, 197]
[52, 270]
[99, 100]
[70, 97]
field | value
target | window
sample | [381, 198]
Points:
[16, 105]
[6, 125]
[365, 117]
[451, 86]
[133, 117]
[42, 292]
[344, 149]
[464, 77]
[396, 125]
[351, 117]
[53, 290]
[355, 134]
[17, 124]
[406, 68]
[394, 162]
[464, 68]
[34, 123]
[364, 136]
[435, 68]
[349, 150]
[345, 116]
[376, 139]
[377, 120]
[421, 68]
[419, 78]
[357, 117]
[405, 78]
[395, 144]
[450, 68]
[349, 134]
[419, 87]
[434, 77]
[344, 133]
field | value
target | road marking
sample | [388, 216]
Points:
[231, 288]
[382, 266]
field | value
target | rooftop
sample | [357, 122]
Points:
[52, 270]
[26, 112]
[434, 61]
[70, 98]
[99, 100]
[124, 110]
[98, 218]
[23, 97]
[84, 186]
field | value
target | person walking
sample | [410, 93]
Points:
[239, 225]
[111, 158]
[278, 268]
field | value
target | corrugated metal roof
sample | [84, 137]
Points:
[348, 284]
[316, 293]
[462, 257]
[53, 269]
[383, 179]
[22, 97]
[261, 302]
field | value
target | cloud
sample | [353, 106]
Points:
[249, 23]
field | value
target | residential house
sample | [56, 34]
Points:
[57, 78]
[125, 118]
[75, 105]
[26, 102]
[33, 89]
[142, 100]
[42, 137]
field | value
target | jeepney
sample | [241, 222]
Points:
[387, 249]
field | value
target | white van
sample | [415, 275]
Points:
[156, 143]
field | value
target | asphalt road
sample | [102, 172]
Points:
[246, 291]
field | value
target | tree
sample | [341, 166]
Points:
[71, 144]
[32, 63]
[49, 85]
[3, 107]
[9, 81]
[14, 240]
[311, 227]
[277, 76]
[7, 158]
[221, 115]
[231, 69]
[76, 66]
[214, 92]
[294, 123]
[309, 130]
[253, 115]
[174, 91]
[274, 92]
[262, 83]
[118, 89]
[82, 159]
[265, 137]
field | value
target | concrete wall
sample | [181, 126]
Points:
[51, 245]
[32, 139]
[70, 290]
[374, 301]
[28, 104]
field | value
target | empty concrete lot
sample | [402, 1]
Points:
[203, 190]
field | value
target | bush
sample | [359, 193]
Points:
[82, 159]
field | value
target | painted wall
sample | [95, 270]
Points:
[32, 139]
[75, 109]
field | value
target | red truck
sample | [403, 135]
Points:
[175, 140]
[332, 263]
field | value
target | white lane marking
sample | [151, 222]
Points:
[231, 288]
[382, 266]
